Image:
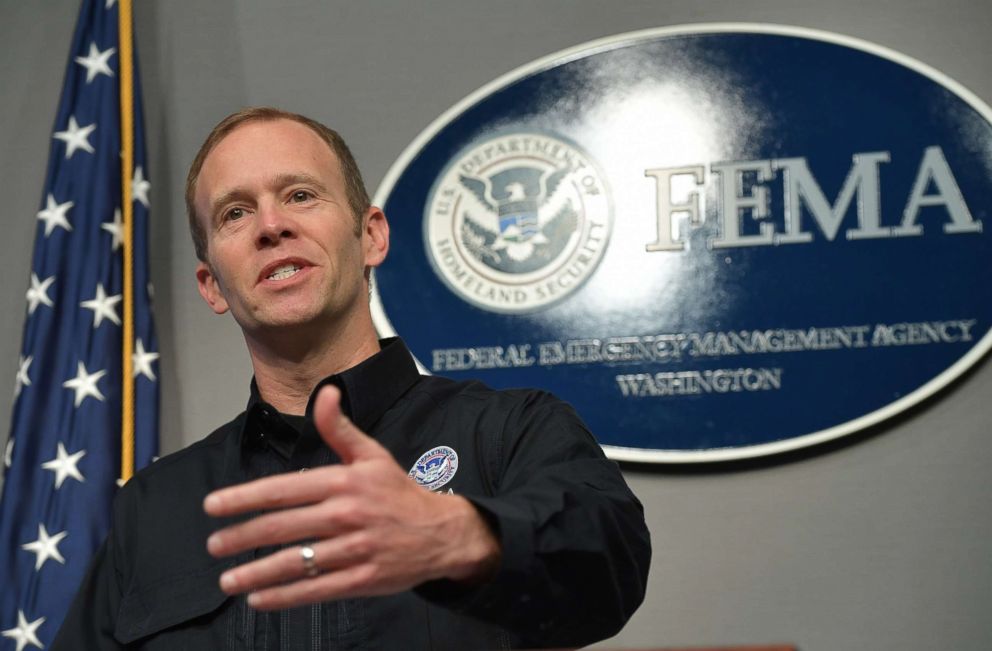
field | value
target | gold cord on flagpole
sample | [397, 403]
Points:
[127, 212]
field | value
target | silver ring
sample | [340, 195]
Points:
[309, 566]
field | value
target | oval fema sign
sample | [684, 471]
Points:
[715, 241]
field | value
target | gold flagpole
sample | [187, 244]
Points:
[127, 210]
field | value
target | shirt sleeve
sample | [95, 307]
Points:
[90, 622]
[575, 548]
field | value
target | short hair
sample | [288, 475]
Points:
[357, 195]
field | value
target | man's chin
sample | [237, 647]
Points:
[280, 322]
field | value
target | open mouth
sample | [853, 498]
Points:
[283, 272]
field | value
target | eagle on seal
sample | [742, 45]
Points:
[515, 214]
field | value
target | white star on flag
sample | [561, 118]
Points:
[76, 137]
[140, 186]
[23, 380]
[103, 306]
[142, 361]
[65, 465]
[54, 215]
[116, 230]
[110, 3]
[96, 62]
[38, 293]
[8, 455]
[25, 633]
[84, 384]
[45, 547]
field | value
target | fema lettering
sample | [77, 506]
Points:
[742, 189]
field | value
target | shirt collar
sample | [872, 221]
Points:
[368, 390]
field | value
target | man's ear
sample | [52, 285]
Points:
[209, 288]
[375, 236]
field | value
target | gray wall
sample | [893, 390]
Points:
[880, 542]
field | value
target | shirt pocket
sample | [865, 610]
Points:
[179, 612]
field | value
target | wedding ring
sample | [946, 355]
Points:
[309, 566]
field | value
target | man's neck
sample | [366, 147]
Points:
[289, 365]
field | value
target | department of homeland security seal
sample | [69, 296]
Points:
[435, 468]
[517, 221]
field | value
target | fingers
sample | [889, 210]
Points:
[334, 505]
[333, 585]
[340, 434]
[276, 492]
[340, 556]
[323, 520]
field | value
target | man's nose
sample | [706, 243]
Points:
[273, 224]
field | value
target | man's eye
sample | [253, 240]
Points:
[234, 213]
[301, 195]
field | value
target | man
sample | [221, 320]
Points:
[297, 524]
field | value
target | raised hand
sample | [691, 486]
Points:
[372, 529]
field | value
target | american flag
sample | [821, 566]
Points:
[63, 457]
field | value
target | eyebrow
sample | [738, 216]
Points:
[293, 178]
[280, 181]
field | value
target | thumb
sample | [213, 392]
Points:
[337, 430]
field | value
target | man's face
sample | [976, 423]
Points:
[281, 243]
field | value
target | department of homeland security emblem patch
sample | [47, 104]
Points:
[715, 241]
[517, 221]
[435, 468]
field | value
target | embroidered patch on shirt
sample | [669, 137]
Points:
[435, 468]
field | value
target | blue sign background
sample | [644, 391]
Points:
[668, 99]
